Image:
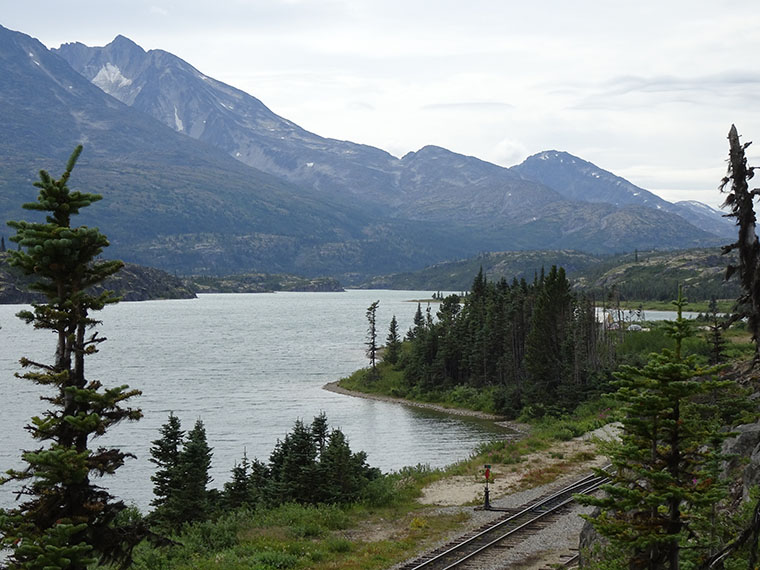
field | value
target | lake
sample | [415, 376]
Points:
[248, 365]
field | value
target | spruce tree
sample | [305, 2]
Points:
[548, 351]
[418, 324]
[343, 474]
[293, 468]
[392, 343]
[192, 494]
[244, 487]
[165, 454]
[320, 431]
[714, 335]
[372, 334]
[67, 520]
[663, 481]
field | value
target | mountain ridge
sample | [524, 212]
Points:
[385, 180]
[187, 205]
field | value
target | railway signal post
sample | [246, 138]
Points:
[487, 501]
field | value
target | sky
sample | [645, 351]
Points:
[647, 90]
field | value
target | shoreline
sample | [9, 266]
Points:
[500, 421]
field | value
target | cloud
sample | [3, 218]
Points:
[638, 91]
[487, 106]
[507, 152]
[360, 106]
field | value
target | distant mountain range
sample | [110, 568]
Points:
[200, 177]
[642, 275]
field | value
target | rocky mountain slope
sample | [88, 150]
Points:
[200, 177]
[174, 202]
[430, 184]
[579, 180]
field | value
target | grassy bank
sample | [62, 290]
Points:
[388, 381]
[388, 526]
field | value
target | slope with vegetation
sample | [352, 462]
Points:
[636, 276]
[131, 283]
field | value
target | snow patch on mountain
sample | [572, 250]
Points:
[110, 79]
[696, 206]
[177, 121]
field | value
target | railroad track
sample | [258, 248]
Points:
[505, 531]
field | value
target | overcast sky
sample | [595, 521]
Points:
[645, 89]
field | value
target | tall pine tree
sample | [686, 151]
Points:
[371, 343]
[67, 520]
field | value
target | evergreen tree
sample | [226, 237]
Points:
[548, 351]
[447, 361]
[293, 468]
[715, 334]
[192, 495]
[343, 474]
[392, 343]
[237, 491]
[320, 432]
[67, 521]
[417, 323]
[2, 244]
[372, 334]
[741, 200]
[165, 454]
[246, 486]
[663, 480]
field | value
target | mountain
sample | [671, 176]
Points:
[707, 218]
[432, 184]
[175, 202]
[199, 177]
[181, 97]
[579, 180]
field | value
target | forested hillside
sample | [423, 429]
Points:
[633, 276]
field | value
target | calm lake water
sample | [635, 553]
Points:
[248, 365]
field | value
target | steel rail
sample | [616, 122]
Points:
[534, 512]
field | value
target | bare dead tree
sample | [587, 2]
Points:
[741, 200]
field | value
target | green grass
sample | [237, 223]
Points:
[388, 381]
[301, 537]
[724, 305]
